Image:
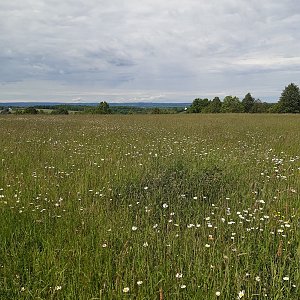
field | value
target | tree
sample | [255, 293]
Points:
[259, 107]
[198, 105]
[248, 103]
[103, 108]
[232, 105]
[60, 111]
[5, 111]
[30, 110]
[155, 111]
[214, 106]
[289, 101]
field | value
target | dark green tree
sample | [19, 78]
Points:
[103, 108]
[214, 106]
[5, 111]
[155, 111]
[248, 103]
[232, 105]
[289, 101]
[198, 105]
[30, 110]
[60, 111]
[259, 107]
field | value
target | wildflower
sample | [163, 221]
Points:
[183, 286]
[286, 278]
[126, 290]
[134, 228]
[139, 282]
[178, 275]
[22, 289]
[241, 294]
[57, 288]
[218, 293]
[104, 245]
[165, 205]
[257, 278]
[145, 244]
[207, 246]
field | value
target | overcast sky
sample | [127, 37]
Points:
[147, 50]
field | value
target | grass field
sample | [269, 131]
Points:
[150, 207]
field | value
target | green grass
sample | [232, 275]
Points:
[190, 205]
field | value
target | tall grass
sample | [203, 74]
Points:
[150, 207]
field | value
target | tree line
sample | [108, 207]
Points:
[289, 102]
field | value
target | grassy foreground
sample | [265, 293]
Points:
[150, 207]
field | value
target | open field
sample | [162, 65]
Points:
[150, 207]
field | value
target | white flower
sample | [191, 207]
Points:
[286, 278]
[257, 278]
[145, 244]
[134, 228]
[139, 282]
[126, 289]
[183, 286]
[57, 288]
[178, 275]
[165, 205]
[218, 294]
[241, 294]
[207, 246]
[104, 245]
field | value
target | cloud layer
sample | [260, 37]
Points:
[147, 50]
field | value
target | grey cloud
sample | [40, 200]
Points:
[192, 47]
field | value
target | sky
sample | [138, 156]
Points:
[147, 50]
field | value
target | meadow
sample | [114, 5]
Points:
[150, 207]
